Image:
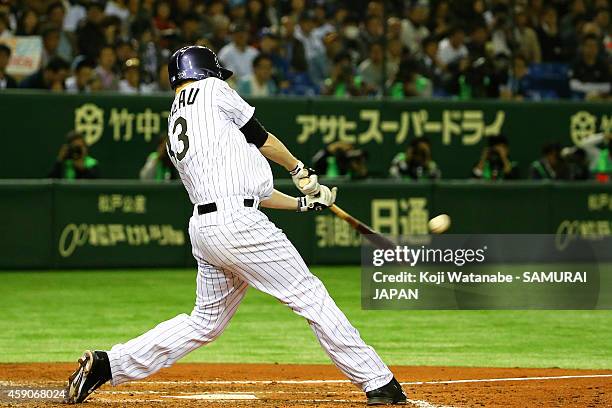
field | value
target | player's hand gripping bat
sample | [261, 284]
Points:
[374, 237]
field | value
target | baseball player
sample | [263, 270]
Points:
[219, 150]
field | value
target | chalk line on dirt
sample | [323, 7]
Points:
[558, 377]
[268, 382]
[476, 380]
[236, 397]
[425, 404]
[215, 397]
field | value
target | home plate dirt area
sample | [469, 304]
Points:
[269, 385]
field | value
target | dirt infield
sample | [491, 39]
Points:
[254, 385]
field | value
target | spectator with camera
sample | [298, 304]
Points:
[577, 163]
[409, 81]
[342, 81]
[415, 163]
[495, 162]
[73, 160]
[158, 165]
[341, 159]
[590, 157]
[550, 166]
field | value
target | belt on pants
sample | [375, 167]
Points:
[212, 207]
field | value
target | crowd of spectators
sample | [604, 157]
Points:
[461, 48]
[590, 159]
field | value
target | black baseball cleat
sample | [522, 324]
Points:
[94, 370]
[390, 394]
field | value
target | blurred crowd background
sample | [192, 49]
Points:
[530, 49]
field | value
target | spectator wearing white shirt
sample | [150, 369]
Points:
[83, 77]
[238, 55]
[413, 28]
[117, 8]
[260, 83]
[323, 27]
[75, 13]
[371, 69]
[452, 48]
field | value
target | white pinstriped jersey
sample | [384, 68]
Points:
[236, 247]
[205, 143]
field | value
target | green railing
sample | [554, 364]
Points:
[111, 223]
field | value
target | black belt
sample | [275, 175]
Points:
[212, 207]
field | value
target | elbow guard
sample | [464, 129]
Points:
[254, 132]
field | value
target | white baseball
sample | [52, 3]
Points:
[439, 224]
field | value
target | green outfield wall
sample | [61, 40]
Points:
[123, 129]
[45, 224]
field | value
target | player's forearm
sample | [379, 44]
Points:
[280, 201]
[276, 151]
[304, 178]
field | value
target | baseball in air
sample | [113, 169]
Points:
[439, 224]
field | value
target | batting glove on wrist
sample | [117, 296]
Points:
[324, 199]
[308, 178]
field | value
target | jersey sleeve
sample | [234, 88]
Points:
[232, 105]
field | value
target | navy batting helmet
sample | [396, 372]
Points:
[195, 62]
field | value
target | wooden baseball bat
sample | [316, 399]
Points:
[374, 237]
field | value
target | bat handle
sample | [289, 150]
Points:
[344, 215]
[337, 210]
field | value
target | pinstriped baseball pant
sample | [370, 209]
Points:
[237, 247]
